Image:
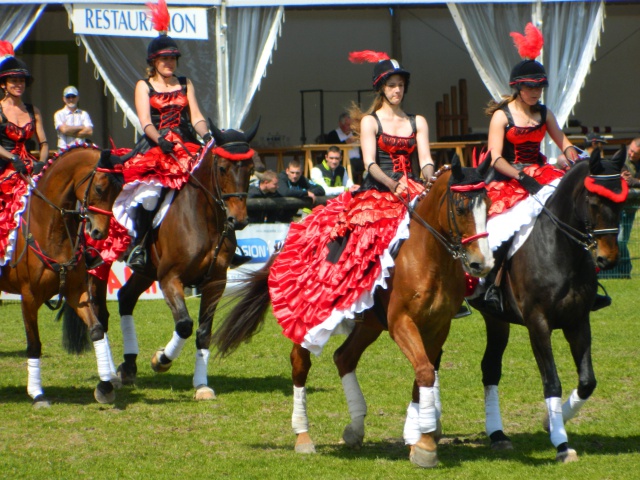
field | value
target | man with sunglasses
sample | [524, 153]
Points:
[73, 125]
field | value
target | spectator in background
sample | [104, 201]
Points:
[291, 183]
[332, 176]
[630, 173]
[592, 141]
[343, 134]
[73, 125]
[267, 188]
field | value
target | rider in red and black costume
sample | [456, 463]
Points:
[170, 117]
[333, 260]
[19, 122]
[523, 177]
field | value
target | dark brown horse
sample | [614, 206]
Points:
[424, 292]
[52, 260]
[193, 245]
[550, 284]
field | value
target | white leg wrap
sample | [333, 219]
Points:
[299, 420]
[174, 347]
[427, 417]
[112, 366]
[102, 356]
[129, 338]
[411, 432]
[493, 419]
[34, 383]
[572, 406]
[556, 424]
[436, 394]
[200, 374]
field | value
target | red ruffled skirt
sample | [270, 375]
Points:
[505, 195]
[156, 165]
[306, 288]
[13, 199]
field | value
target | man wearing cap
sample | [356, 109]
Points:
[73, 125]
[594, 141]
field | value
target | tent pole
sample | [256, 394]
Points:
[222, 60]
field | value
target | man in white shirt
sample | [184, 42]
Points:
[332, 176]
[72, 124]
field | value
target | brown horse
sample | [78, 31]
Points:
[550, 284]
[49, 256]
[193, 245]
[425, 291]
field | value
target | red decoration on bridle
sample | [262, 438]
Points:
[467, 188]
[221, 152]
[591, 185]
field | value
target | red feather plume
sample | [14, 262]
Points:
[6, 49]
[159, 14]
[367, 56]
[529, 44]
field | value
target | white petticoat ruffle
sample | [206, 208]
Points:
[341, 322]
[519, 220]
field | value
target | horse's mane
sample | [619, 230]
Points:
[58, 154]
[573, 178]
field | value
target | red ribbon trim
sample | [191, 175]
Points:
[467, 188]
[591, 185]
[221, 152]
[473, 238]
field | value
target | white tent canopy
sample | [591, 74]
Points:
[242, 41]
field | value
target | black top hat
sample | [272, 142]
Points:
[384, 69]
[529, 73]
[13, 67]
[162, 46]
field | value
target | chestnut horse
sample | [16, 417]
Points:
[193, 245]
[49, 256]
[550, 284]
[425, 290]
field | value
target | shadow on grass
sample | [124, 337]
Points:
[454, 450]
[14, 353]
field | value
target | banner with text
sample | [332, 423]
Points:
[132, 21]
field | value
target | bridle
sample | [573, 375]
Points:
[79, 247]
[455, 245]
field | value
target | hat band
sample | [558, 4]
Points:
[529, 80]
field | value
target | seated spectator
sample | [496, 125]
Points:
[332, 176]
[291, 183]
[343, 134]
[267, 188]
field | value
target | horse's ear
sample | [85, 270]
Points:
[595, 162]
[484, 163]
[217, 134]
[619, 158]
[456, 169]
[249, 134]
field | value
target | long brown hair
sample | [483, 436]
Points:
[494, 106]
[356, 114]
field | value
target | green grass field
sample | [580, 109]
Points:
[156, 431]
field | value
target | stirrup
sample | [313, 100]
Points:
[239, 258]
[92, 262]
[601, 301]
[137, 259]
[493, 298]
[465, 310]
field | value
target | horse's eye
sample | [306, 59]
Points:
[99, 190]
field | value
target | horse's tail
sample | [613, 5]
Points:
[75, 333]
[247, 316]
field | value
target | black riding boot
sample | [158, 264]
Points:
[239, 258]
[491, 299]
[601, 301]
[137, 260]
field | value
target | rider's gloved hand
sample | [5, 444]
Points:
[529, 183]
[37, 167]
[165, 145]
[206, 138]
[19, 165]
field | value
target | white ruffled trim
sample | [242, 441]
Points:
[13, 235]
[519, 220]
[132, 195]
[340, 322]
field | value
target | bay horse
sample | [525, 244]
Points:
[425, 291]
[193, 245]
[73, 197]
[550, 284]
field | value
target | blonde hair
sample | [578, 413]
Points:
[356, 114]
[494, 106]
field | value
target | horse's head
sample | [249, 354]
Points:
[606, 193]
[233, 163]
[463, 215]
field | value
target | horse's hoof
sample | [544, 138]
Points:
[104, 392]
[567, 456]
[127, 378]
[158, 366]
[545, 421]
[423, 458]
[499, 441]
[304, 444]
[204, 393]
[352, 438]
[41, 401]
[116, 381]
